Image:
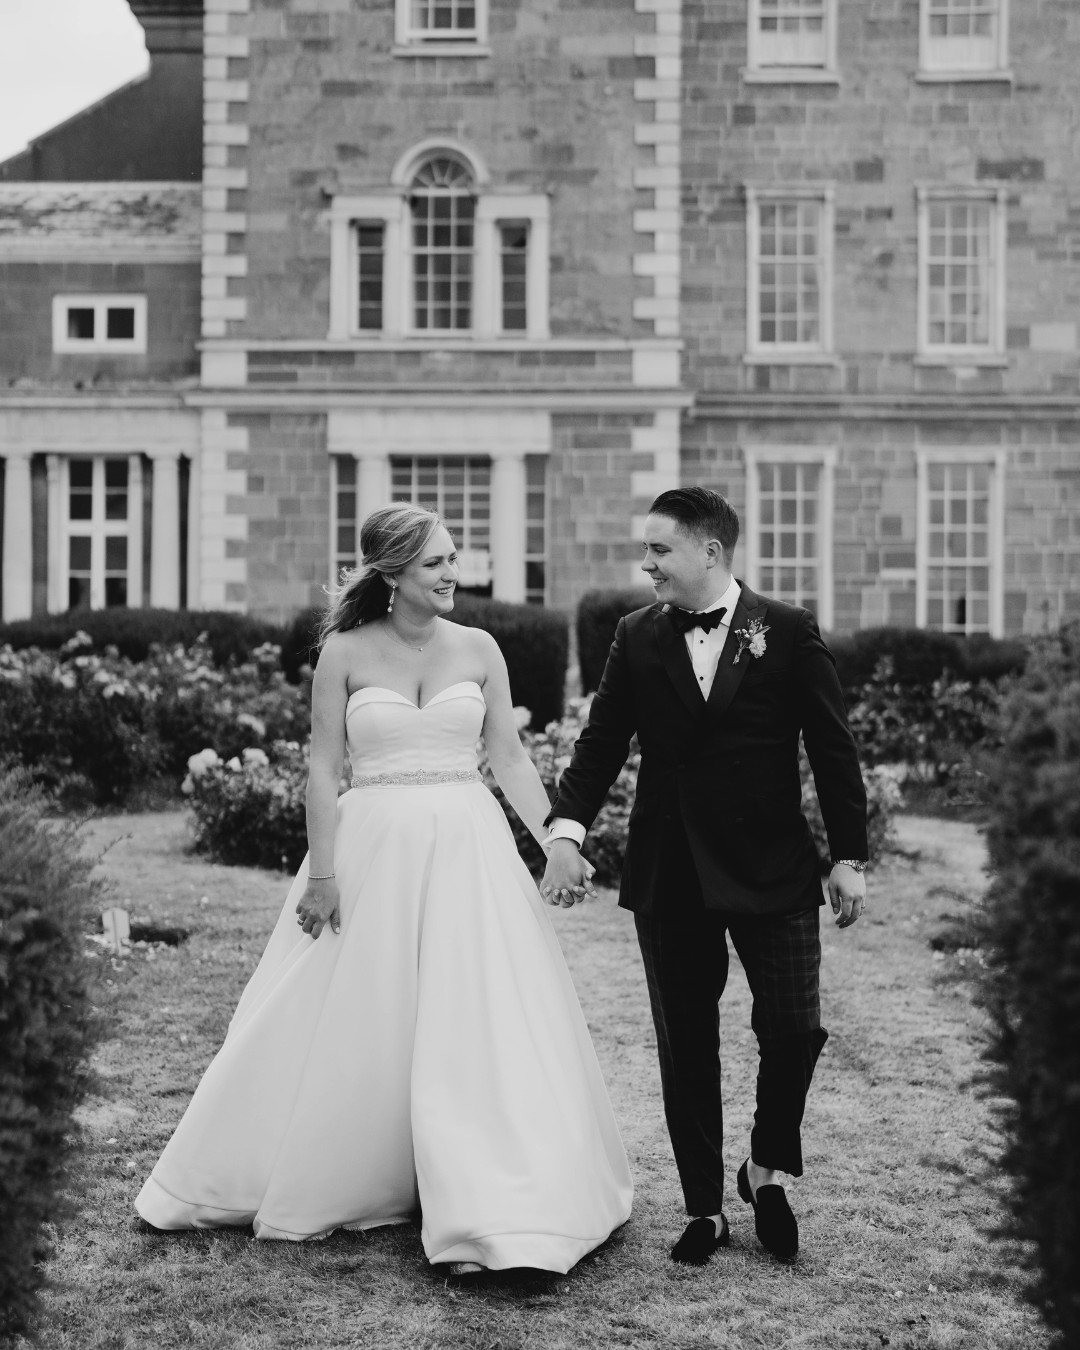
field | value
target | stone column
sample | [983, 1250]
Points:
[18, 537]
[372, 485]
[508, 527]
[165, 530]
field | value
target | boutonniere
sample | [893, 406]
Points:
[752, 636]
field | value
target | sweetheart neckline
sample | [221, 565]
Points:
[383, 689]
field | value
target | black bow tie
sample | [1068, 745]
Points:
[685, 619]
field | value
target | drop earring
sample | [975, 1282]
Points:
[393, 592]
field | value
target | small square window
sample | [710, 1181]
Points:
[99, 324]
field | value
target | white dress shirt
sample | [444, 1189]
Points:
[704, 649]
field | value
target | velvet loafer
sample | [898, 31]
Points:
[777, 1229]
[700, 1240]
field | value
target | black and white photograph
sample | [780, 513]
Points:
[539, 674]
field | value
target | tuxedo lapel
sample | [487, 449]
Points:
[729, 674]
[676, 661]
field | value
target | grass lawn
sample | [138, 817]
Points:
[895, 1207]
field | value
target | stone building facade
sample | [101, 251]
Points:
[531, 262]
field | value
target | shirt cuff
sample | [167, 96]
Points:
[560, 828]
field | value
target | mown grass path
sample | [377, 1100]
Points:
[899, 1193]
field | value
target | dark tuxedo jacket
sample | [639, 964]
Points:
[721, 778]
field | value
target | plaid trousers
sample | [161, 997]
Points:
[686, 966]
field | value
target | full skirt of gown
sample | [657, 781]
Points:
[431, 1057]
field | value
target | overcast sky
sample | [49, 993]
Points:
[57, 56]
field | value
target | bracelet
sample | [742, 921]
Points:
[330, 876]
[856, 864]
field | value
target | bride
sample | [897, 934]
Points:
[411, 1039]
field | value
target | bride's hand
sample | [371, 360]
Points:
[318, 906]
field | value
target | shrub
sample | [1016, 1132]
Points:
[598, 616]
[231, 637]
[45, 1032]
[249, 811]
[535, 643]
[79, 716]
[1031, 979]
[919, 656]
[934, 727]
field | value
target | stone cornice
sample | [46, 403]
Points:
[888, 407]
[289, 398]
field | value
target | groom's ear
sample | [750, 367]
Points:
[714, 553]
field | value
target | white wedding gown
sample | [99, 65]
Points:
[431, 1056]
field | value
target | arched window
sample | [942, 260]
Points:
[442, 200]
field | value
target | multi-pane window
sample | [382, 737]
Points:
[789, 514]
[789, 551]
[513, 275]
[957, 556]
[961, 275]
[369, 274]
[963, 36]
[439, 253]
[99, 323]
[443, 208]
[458, 489]
[98, 517]
[791, 33]
[790, 251]
[344, 527]
[441, 23]
[535, 529]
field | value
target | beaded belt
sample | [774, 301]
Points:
[416, 778]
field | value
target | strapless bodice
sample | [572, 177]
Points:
[387, 733]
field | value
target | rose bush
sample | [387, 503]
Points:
[96, 725]
[251, 809]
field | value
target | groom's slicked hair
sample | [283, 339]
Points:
[701, 512]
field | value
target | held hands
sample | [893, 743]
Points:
[319, 905]
[847, 894]
[567, 877]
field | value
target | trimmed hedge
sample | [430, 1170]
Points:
[534, 641]
[134, 631]
[1030, 982]
[598, 615]
[919, 656]
[45, 1032]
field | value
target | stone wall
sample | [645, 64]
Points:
[331, 110]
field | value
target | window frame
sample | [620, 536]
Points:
[760, 71]
[994, 458]
[785, 353]
[410, 41]
[935, 68]
[756, 457]
[100, 303]
[393, 213]
[99, 528]
[992, 352]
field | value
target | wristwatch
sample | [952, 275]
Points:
[856, 864]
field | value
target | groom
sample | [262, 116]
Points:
[718, 683]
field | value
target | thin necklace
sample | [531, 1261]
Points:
[403, 643]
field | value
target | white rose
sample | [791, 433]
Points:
[233, 764]
[253, 755]
[205, 759]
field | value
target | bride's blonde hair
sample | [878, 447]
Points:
[390, 538]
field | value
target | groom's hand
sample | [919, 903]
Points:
[567, 877]
[847, 894]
